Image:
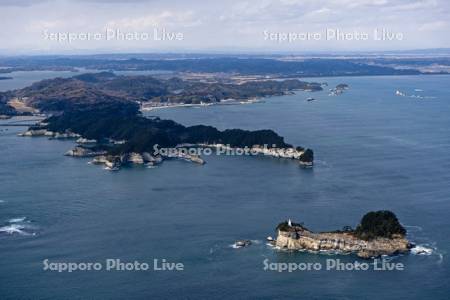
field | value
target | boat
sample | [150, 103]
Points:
[310, 99]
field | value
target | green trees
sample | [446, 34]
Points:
[308, 156]
[381, 223]
[120, 121]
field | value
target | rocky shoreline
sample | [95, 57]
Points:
[293, 236]
[341, 243]
[92, 148]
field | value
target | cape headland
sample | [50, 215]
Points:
[379, 233]
[104, 113]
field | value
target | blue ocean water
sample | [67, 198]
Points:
[374, 150]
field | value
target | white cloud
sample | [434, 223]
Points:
[165, 18]
[229, 23]
[434, 26]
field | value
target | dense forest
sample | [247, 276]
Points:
[124, 123]
[381, 223]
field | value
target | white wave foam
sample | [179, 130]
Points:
[14, 228]
[110, 169]
[2, 201]
[418, 228]
[422, 250]
[17, 220]
[19, 225]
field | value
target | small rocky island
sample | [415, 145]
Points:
[379, 233]
[339, 89]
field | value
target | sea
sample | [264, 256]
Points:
[374, 150]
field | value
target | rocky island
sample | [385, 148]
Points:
[379, 233]
[339, 89]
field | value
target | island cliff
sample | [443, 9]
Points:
[379, 233]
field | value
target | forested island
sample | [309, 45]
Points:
[379, 233]
[117, 134]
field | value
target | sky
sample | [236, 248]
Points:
[82, 26]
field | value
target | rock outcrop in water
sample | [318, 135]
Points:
[79, 151]
[294, 236]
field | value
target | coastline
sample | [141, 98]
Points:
[189, 152]
[378, 233]
[150, 107]
[341, 243]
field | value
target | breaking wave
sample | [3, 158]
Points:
[422, 250]
[424, 246]
[17, 220]
[16, 229]
[19, 226]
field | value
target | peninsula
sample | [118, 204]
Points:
[118, 135]
[102, 112]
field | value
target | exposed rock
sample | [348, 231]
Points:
[113, 163]
[50, 134]
[196, 159]
[341, 242]
[339, 89]
[82, 140]
[101, 159]
[148, 158]
[83, 152]
[242, 243]
[120, 142]
[65, 135]
[296, 237]
[36, 132]
[307, 158]
[135, 158]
